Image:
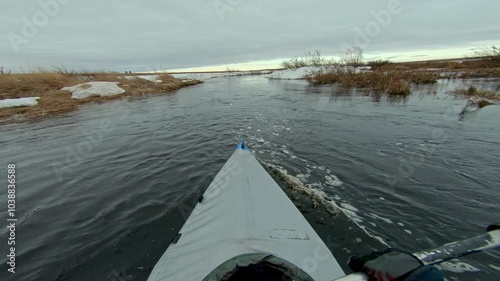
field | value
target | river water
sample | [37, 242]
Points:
[101, 191]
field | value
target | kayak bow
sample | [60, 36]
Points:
[245, 224]
[245, 228]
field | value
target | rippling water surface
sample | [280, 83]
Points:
[101, 191]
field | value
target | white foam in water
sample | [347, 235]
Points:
[317, 194]
[494, 267]
[382, 198]
[317, 185]
[350, 211]
[380, 239]
[408, 231]
[401, 224]
[315, 190]
[333, 181]
[372, 215]
[347, 250]
[353, 216]
[348, 207]
[458, 267]
[302, 176]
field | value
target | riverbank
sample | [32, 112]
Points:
[33, 96]
[397, 78]
[43, 94]
[394, 79]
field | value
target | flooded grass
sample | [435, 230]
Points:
[476, 98]
[392, 78]
[484, 103]
[473, 92]
[48, 84]
[397, 78]
[390, 82]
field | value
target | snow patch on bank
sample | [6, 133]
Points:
[208, 76]
[301, 73]
[152, 78]
[293, 74]
[91, 89]
[22, 102]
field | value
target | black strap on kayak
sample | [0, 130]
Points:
[390, 264]
[176, 238]
[493, 227]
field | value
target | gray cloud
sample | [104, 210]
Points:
[148, 35]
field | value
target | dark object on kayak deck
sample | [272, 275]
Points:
[493, 227]
[393, 265]
[244, 227]
[258, 267]
[427, 273]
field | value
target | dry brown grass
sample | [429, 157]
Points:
[390, 82]
[47, 85]
[484, 103]
[481, 73]
[452, 64]
[473, 92]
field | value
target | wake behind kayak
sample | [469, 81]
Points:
[246, 226]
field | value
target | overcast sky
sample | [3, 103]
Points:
[164, 34]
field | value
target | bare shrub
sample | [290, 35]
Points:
[473, 92]
[486, 51]
[311, 58]
[377, 64]
[353, 56]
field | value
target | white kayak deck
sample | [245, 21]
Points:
[244, 211]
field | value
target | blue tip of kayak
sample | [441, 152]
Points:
[242, 145]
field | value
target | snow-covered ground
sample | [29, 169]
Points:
[301, 73]
[207, 76]
[293, 74]
[152, 78]
[90, 89]
[287, 74]
[8, 103]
